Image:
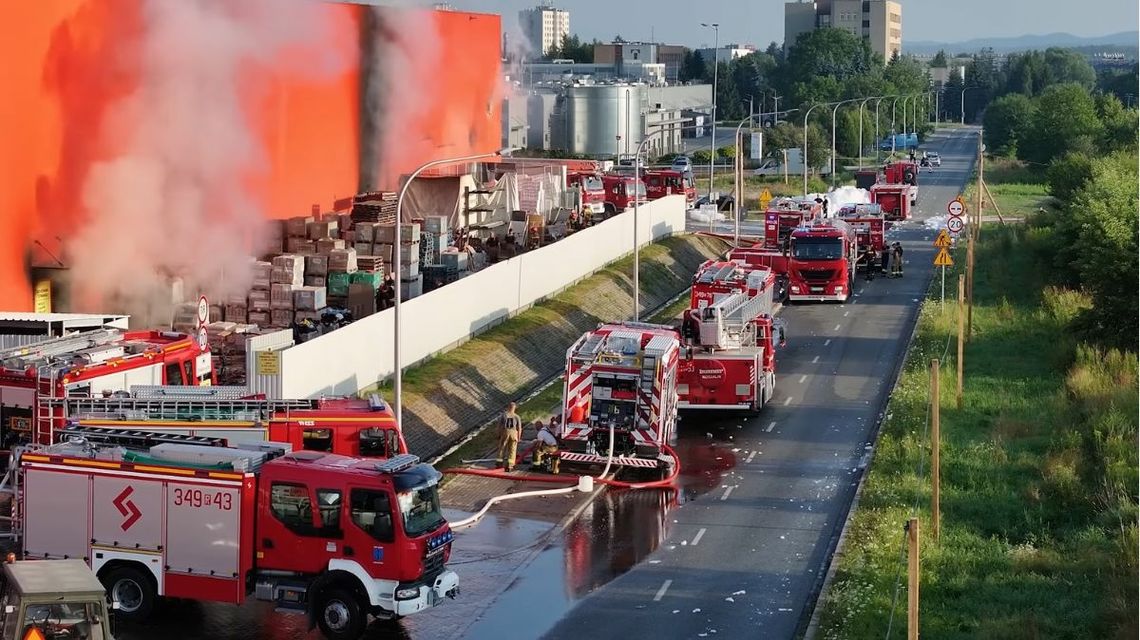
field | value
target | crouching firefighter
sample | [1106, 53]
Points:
[546, 447]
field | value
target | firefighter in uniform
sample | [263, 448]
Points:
[546, 444]
[896, 260]
[510, 430]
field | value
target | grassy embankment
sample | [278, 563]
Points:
[1039, 467]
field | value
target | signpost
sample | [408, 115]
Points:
[943, 258]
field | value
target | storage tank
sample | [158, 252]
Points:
[597, 114]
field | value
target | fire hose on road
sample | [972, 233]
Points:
[584, 484]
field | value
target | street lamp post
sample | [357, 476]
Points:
[716, 66]
[861, 106]
[397, 385]
[835, 110]
[805, 149]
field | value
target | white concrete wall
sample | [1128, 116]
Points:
[348, 359]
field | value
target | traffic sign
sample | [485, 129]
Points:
[943, 258]
[955, 207]
[203, 311]
[203, 338]
[943, 240]
[955, 224]
[765, 198]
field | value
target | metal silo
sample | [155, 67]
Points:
[597, 114]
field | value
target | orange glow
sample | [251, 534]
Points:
[66, 61]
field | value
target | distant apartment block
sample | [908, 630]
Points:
[877, 21]
[544, 27]
[726, 53]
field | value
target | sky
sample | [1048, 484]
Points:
[762, 21]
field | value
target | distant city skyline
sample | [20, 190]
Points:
[758, 23]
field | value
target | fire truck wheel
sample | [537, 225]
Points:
[133, 590]
[340, 616]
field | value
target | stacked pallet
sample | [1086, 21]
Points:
[379, 206]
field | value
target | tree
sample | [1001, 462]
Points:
[727, 99]
[1007, 121]
[1065, 120]
[693, 67]
[952, 95]
[572, 48]
[827, 53]
[1120, 124]
[939, 60]
[1068, 174]
[1067, 65]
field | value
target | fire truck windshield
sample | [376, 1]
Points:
[817, 248]
[420, 509]
[592, 183]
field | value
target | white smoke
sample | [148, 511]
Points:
[176, 200]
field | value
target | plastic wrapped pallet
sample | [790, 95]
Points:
[363, 249]
[454, 260]
[316, 281]
[262, 273]
[412, 287]
[259, 300]
[383, 250]
[342, 260]
[289, 269]
[363, 232]
[297, 227]
[301, 246]
[326, 228]
[435, 224]
[309, 298]
[385, 233]
[410, 232]
[409, 270]
[260, 318]
[317, 265]
[338, 284]
[281, 317]
[281, 296]
[326, 246]
[236, 313]
[370, 278]
[361, 300]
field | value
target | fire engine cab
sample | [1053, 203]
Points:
[188, 517]
[621, 379]
[822, 263]
[87, 364]
[729, 361]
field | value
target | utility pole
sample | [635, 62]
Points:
[935, 445]
[961, 332]
[974, 236]
[716, 66]
[912, 579]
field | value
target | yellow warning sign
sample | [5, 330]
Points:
[943, 258]
[943, 239]
[268, 363]
[42, 299]
[765, 198]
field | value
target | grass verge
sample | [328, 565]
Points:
[1039, 469]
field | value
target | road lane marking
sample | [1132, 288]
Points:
[726, 492]
[837, 327]
[697, 538]
[771, 425]
[816, 359]
[787, 401]
[827, 342]
[846, 313]
[661, 592]
[751, 456]
[802, 378]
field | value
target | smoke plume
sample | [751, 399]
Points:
[175, 199]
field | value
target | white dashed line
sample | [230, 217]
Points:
[802, 378]
[846, 313]
[771, 425]
[827, 342]
[697, 538]
[752, 455]
[837, 327]
[815, 359]
[787, 401]
[661, 592]
[726, 492]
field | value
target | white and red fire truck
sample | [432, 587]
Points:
[822, 264]
[90, 363]
[869, 223]
[732, 361]
[177, 516]
[349, 426]
[897, 191]
[621, 378]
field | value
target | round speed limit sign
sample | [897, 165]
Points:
[955, 224]
[955, 208]
[203, 310]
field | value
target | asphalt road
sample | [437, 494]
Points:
[747, 558]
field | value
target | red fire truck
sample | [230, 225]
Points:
[823, 256]
[90, 363]
[164, 515]
[732, 362]
[784, 215]
[620, 192]
[592, 189]
[348, 426]
[869, 224]
[621, 378]
[663, 182]
[897, 192]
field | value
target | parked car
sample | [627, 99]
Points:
[934, 158]
[683, 163]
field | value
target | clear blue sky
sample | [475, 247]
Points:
[762, 21]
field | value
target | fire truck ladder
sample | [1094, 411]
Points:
[175, 408]
[737, 313]
[27, 355]
[720, 274]
[134, 439]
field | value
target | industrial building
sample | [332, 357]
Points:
[544, 27]
[878, 21]
[627, 58]
[726, 53]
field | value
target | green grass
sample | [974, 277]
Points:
[1018, 188]
[1039, 472]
